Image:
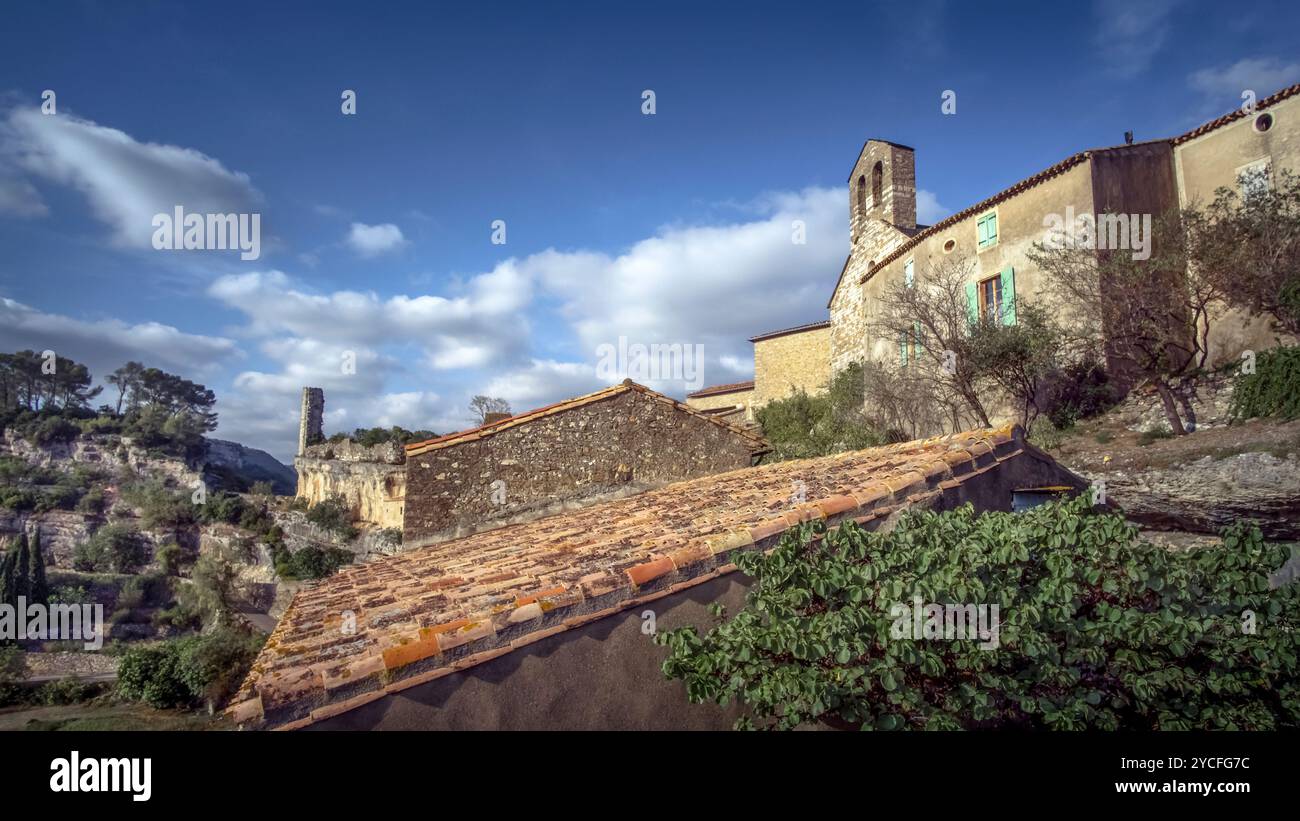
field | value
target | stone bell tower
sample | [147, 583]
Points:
[882, 188]
[310, 430]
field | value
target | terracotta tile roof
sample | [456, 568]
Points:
[482, 431]
[439, 609]
[798, 329]
[1272, 99]
[714, 390]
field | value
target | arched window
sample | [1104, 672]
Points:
[877, 182]
[862, 196]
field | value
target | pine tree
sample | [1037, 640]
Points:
[40, 587]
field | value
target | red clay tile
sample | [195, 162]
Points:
[648, 572]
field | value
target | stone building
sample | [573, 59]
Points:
[618, 440]
[888, 246]
[785, 361]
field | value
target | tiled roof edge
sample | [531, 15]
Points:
[436, 651]
[797, 329]
[714, 390]
[1237, 114]
[984, 204]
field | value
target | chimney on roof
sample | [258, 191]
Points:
[1128, 138]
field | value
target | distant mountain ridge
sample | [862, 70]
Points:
[250, 465]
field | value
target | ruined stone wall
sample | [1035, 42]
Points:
[372, 479]
[628, 439]
[312, 417]
[791, 362]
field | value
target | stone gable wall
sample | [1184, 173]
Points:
[629, 440]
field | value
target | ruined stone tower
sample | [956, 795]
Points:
[310, 430]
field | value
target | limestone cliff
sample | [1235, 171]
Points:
[371, 479]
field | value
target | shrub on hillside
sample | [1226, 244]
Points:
[1273, 389]
[188, 671]
[310, 562]
[1098, 629]
[115, 548]
[335, 515]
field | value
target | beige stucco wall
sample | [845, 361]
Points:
[1020, 224]
[1215, 160]
[791, 362]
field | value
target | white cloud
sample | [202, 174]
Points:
[373, 240]
[928, 209]
[105, 345]
[543, 382]
[467, 330]
[125, 181]
[713, 286]
[1129, 34]
[1260, 75]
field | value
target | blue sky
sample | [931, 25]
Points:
[669, 228]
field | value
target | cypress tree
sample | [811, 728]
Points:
[40, 587]
[7, 575]
[22, 571]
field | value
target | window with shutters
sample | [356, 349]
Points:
[908, 275]
[986, 230]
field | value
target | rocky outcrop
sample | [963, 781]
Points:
[372, 479]
[1209, 494]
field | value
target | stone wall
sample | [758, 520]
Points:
[791, 362]
[371, 479]
[628, 439]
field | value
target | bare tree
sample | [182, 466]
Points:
[1245, 248]
[480, 406]
[1151, 324]
[930, 319]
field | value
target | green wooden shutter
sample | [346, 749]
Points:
[902, 348]
[982, 233]
[916, 340]
[1009, 295]
[973, 302]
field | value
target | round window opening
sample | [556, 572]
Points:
[1263, 122]
[949, 245]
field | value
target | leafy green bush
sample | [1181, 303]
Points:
[1273, 389]
[1098, 629]
[1080, 390]
[68, 691]
[159, 506]
[188, 671]
[801, 426]
[115, 547]
[311, 562]
[334, 514]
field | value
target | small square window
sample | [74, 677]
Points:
[986, 230]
